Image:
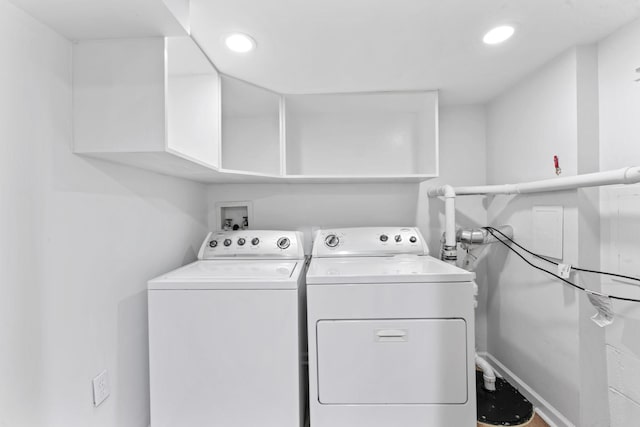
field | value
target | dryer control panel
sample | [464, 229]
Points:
[368, 241]
[264, 244]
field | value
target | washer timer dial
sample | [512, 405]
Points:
[331, 240]
[284, 242]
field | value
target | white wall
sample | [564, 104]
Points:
[79, 240]
[581, 107]
[533, 320]
[304, 206]
[619, 134]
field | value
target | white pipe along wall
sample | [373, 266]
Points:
[628, 175]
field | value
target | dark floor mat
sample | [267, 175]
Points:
[503, 407]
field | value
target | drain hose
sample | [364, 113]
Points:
[488, 373]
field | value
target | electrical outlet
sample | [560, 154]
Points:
[100, 388]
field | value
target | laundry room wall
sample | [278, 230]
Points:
[619, 95]
[533, 320]
[80, 238]
[304, 206]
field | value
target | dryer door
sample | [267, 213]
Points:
[400, 361]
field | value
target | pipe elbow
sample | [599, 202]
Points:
[446, 191]
[632, 175]
[488, 374]
[489, 382]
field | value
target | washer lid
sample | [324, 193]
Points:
[396, 269]
[230, 274]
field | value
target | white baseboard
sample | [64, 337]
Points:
[547, 412]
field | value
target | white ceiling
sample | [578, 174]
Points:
[104, 19]
[320, 46]
[378, 45]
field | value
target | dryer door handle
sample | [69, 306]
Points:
[392, 335]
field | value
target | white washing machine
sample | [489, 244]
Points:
[226, 334]
[391, 332]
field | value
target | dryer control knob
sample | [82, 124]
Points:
[398, 238]
[413, 239]
[241, 242]
[332, 240]
[227, 242]
[384, 238]
[213, 243]
[255, 241]
[284, 242]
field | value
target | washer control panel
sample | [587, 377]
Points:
[368, 241]
[252, 244]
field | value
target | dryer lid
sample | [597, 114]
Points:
[395, 269]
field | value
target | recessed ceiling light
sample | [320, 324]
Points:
[498, 34]
[239, 42]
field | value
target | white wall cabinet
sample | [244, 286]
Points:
[159, 104]
[362, 135]
[149, 102]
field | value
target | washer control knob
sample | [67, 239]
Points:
[283, 242]
[331, 240]
[241, 241]
[227, 242]
[255, 241]
[384, 238]
[413, 239]
[398, 238]
[213, 243]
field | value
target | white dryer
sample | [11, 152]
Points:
[226, 334]
[391, 332]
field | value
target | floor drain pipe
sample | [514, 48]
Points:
[448, 251]
[488, 374]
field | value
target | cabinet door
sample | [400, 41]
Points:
[413, 361]
[193, 103]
